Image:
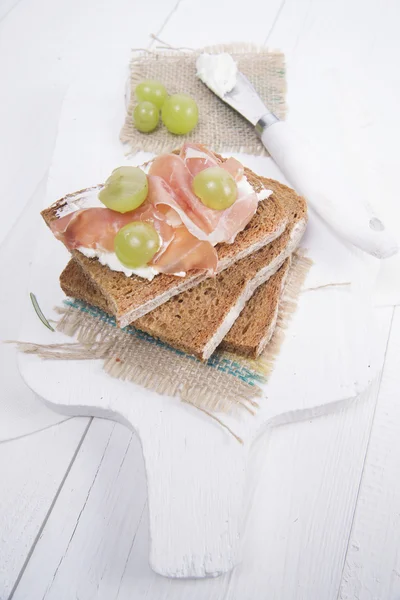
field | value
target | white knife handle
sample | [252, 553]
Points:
[326, 190]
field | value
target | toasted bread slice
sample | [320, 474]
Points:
[197, 320]
[254, 328]
[129, 298]
[76, 284]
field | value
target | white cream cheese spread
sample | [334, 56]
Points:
[110, 260]
[217, 71]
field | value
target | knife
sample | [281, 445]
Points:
[335, 199]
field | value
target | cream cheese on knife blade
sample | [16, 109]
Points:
[217, 71]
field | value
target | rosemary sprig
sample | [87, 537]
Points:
[39, 312]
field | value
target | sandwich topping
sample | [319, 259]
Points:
[167, 221]
[171, 179]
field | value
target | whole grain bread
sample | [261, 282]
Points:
[76, 284]
[251, 331]
[129, 298]
[197, 320]
[254, 328]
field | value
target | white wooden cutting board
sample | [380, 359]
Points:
[196, 471]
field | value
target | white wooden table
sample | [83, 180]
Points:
[323, 517]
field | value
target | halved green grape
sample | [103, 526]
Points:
[151, 91]
[180, 114]
[215, 187]
[126, 189]
[146, 116]
[136, 243]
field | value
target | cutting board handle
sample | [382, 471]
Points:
[195, 483]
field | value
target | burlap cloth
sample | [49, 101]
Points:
[223, 384]
[219, 127]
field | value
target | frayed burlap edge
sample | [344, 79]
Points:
[206, 388]
[149, 143]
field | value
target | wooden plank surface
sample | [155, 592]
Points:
[97, 513]
[306, 487]
[372, 569]
[32, 472]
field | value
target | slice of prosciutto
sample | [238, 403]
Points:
[187, 253]
[197, 157]
[170, 183]
[188, 230]
[96, 228]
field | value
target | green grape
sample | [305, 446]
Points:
[146, 116]
[136, 243]
[126, 189]
[215, 187]
[180, 114]
[151, 91]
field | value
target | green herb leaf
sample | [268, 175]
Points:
[39, 312]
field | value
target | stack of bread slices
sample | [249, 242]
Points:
[236, 309]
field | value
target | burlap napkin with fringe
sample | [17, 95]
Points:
[224, 383]
[219, 127]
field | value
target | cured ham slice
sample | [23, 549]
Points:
[234, 167]
[97, 227]
[170, 183]
[174, 187]
[197, 157]
[188, 230]
[186, 253]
